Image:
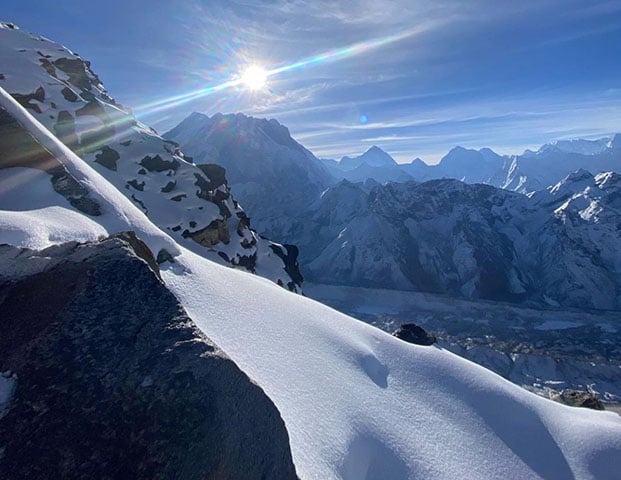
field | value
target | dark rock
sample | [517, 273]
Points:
[412, 333]
[115, 381]
[139, 203]
[578, 398]
[217, 231]
[94, 139]
[249, 262]
[215, 173]
[69, 95]
[64, 129]
[140, 249]
[26, 100]
[108, 158]
[289, 255]
[157, 164]
[138, 186]
[169, 187]
[178, 198]
[78, 71]
[19, 148]
[77, 195]
[164, 256]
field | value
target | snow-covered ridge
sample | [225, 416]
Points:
[191, 202]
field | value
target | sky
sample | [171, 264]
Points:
[414, 77]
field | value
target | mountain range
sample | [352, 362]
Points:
[558, 246]
[525, 173]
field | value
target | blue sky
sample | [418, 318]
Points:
[504, 74]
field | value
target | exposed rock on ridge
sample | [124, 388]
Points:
[115, 381]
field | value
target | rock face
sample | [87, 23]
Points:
[412, 333]
[193, 204]
[113, 380]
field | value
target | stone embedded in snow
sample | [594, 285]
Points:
[412, 333]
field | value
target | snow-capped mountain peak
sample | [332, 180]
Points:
[373, 157]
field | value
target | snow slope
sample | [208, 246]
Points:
[358, 403]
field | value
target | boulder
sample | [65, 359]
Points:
[412, 333]
[113, 379]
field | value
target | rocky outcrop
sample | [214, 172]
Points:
[113, 379]
[412, 333]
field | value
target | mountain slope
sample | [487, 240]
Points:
[193, 203]
[273, 175]
[444, 236]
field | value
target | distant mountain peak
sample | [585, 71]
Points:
[373, 157]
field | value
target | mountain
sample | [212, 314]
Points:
[374, 164]
[191, 201]
[560, 246]
[347, 424]
[373, 157]
[442, 236]
[273, 176]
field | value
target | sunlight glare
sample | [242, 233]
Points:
[254, 77]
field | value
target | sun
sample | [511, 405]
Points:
[254, 77]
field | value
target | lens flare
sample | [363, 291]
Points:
[254, 77]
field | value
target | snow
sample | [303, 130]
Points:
[357, 402]
[352, 394]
